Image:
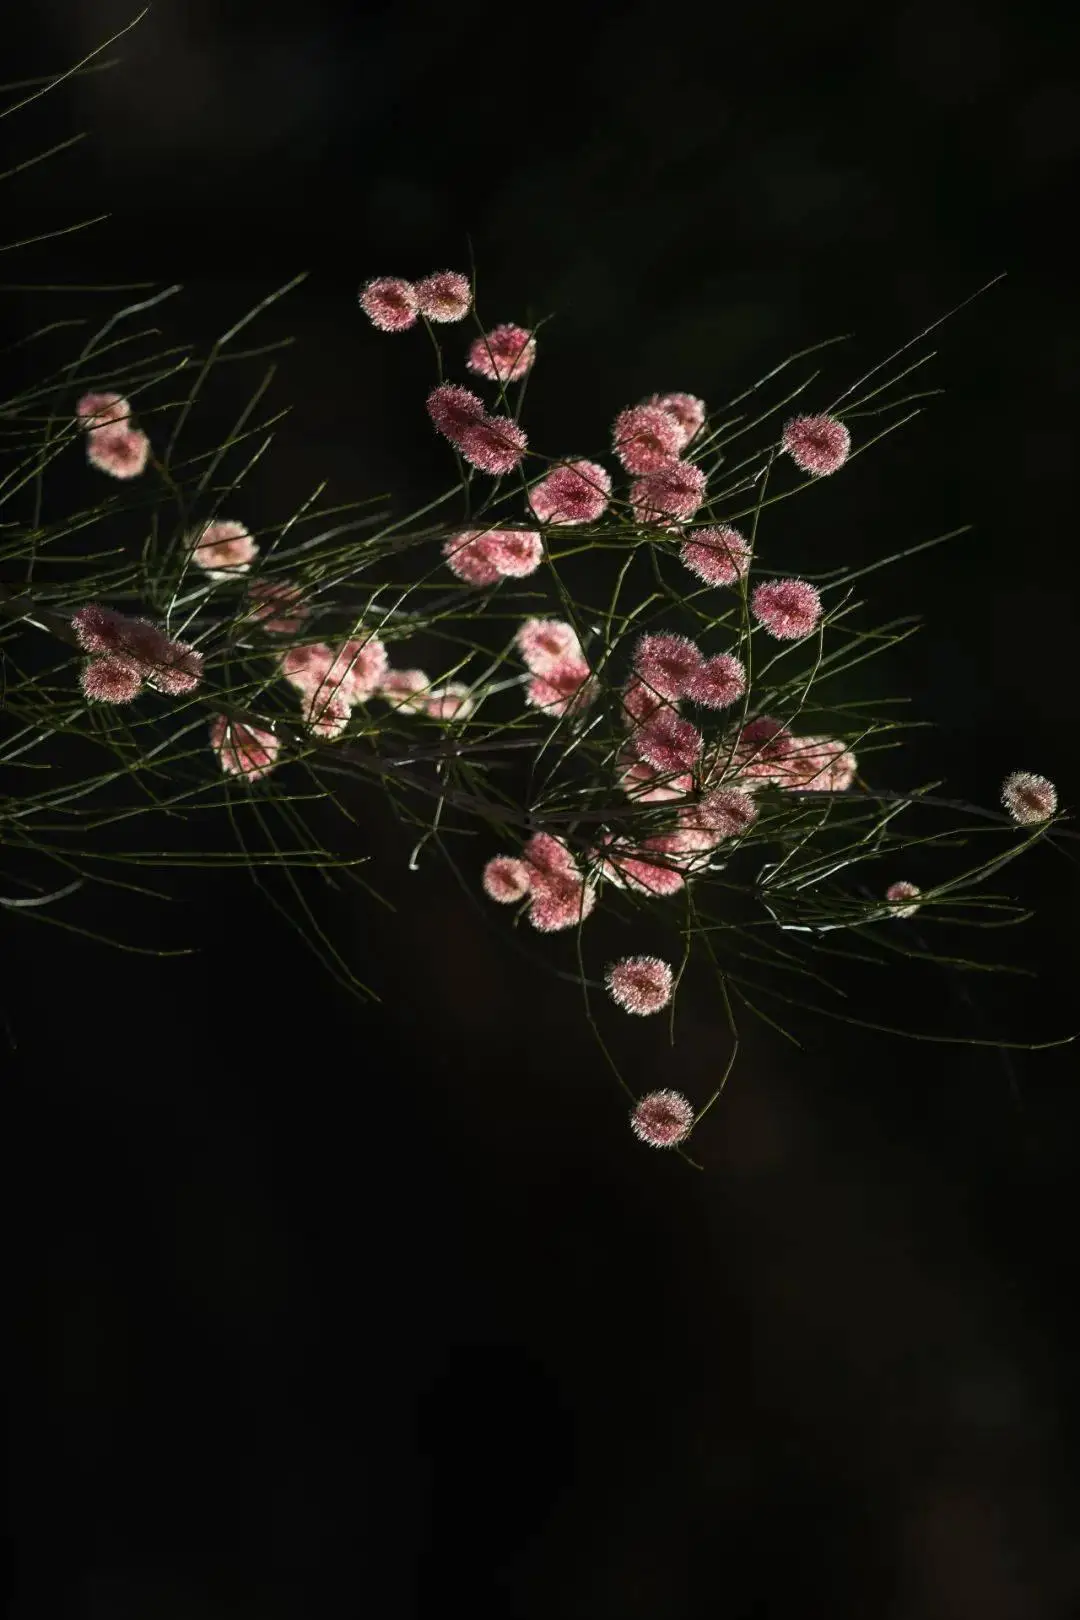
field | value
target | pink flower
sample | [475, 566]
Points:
[454, 411]
[110, 680]
[717, 683]
[504, 354]
[223, 548]
[727, 812]
[389, 303]
[243, 750]
[506, 879]
[326, 714]
[122, 452]
[819, 765]
[640, 984]
[761, 750]
[496, 445]
[645, 785]
[646, 437]
[278, 607]
[546, 644]
[662, 1119]
[575, 492]
[99, 410]
[640, 701]
[650, 868]
[468, 555]
[787, 608]
[560, 896]
[687, 411]
[674, 491]
[103, 630]
[666, 664]
[516, 552]
[359, 668]
[668, 742]
[817, 444]
[445, 296]
[716, 556]
[565, 689]
[449, 702]
[307, 667]
[549, 855]
[405, 690]
[1029, 799]
[904, 898]
[178, 671]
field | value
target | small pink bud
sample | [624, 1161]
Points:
[666, 664]
[101, 410]
[640, 984]
[904, 898]
[546, 644]
[506, 879]
[405, 690]
[716, 556]
[687, 411]
[223, 549]
[450, 702]
[576, 492]
[504, 354]
[389, 303]
[646, 437]
[669, 742]
[817, 444]
[674, 491]
[243, 750]
[122, 452]
[445, 296]
[662, 1119]
[787, 608]
[454, 410]
[717, 683]
[496, 445]
[106, 679]
[1029, 799]
[277, 606]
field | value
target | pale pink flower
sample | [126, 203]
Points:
[819, 765]
[359, 668]
[307, 667]
[674, 491]
[389, 303]
[507, 879]
[651, 867]
[687, 411]
[145, 651]
[640, 984]
[575, 492]
[277, 606]
[640, 701]
[560, 902]
[645, 785]
[549, 855]
[178, 671]
[817, 444]
[904, 898]
[726, 811]
[327, 714]
[666, 664]
[761, 750]
[223, 548]
[716, 556]
[405, 690]
[496, 445]
[450, 702]
[646, 437]
[717, 682]
[662, 1119]
[504, 354]
[516, 553]
[106, 679]
[1029, 799]
[444, 296]
[546, 644]
[122, 452]
[103, 630]
[455, 410]
[101, 410]
[469, 557]
[668, 742]
[787, 608]
[565, 689]
[243, 750]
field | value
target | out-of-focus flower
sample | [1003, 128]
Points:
[279, 607]
[243, 750]
[120, 451]
[506, 879]
[405, 690]
[223, 549]
[102, 410]
[903, 898]
[546, 644]
[565, 689]
[450, 702]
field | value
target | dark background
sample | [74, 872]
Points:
[383, 1310]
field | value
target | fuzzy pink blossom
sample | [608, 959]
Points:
[468, 556]
[359, 668]
[405, 690]
[505, 354]
[516, 553]
[101, 410]
[327, 716]
[650, 867]
[122, 452]
[575, 492]
[496, 445]
[144, 650]
[389, 303]
[103, 630]
[223, 548]
[560, 902]
[455, 410]
[648, 786]
[178, 671]
[787, 608]
[903, 898]
[549, 855]
[717, 682]
[662, 1119]
[674, 491]
[110, 680]
[640, 984]
[668, 742]
[716, 556]
[565, 689]
[307, 667]
[819, 764]
[646, 437]
[243, 750]
[640, 701]
[666, 664]
[760, 751]
[726, 811]
[545, 644]
[506, 879]
[1029, 799]
[444, 296]
[277, 606]
[817, 444]
[687, 411]
[450, 702]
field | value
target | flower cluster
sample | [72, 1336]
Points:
[113, 445]
[547, 875]
[126, 654]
